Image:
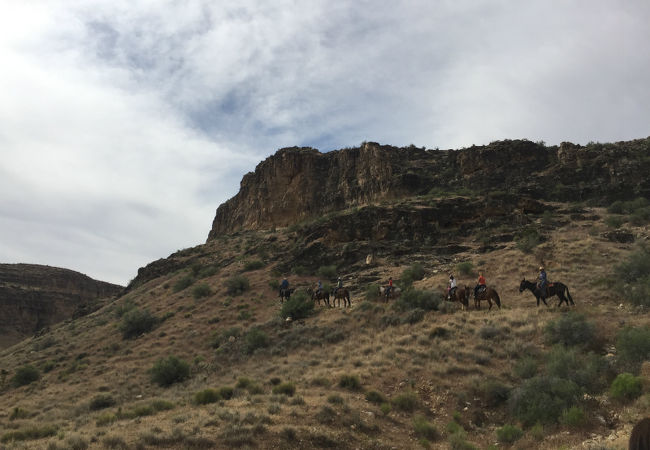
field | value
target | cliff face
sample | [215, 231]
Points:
[33, 297]
[301, 183]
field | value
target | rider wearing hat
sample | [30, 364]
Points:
[543, 281]
[339, 285]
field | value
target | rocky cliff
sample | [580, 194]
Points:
[33, 297]
[296, 184]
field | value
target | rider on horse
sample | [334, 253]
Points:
[480, 285]
[452, 287]
[543, 281]
[339, 285]
[389, 287]
[284, 285]
[319, 289]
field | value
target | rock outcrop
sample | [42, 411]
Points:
[34, 297]
[297, 184]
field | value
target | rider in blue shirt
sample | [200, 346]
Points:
[543, 281]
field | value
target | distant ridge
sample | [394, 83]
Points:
[33, 297]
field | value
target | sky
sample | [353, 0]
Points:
[124, 124]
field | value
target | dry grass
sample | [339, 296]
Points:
[443, 361]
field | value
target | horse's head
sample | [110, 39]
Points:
[522, 285]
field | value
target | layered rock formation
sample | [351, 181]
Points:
[301, 183]
[33, 297]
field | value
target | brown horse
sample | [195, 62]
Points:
[286, 294]
[339, 294]
[318, 296]
[461, 295]
[640, 437]
[488, 294]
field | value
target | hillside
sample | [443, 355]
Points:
[417, 372]
[34, 297]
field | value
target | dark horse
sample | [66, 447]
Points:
[556, 288]
[285, 293]
[393, 293]
[488, 294]
[461, 295]
[339, 294]
[318, 296]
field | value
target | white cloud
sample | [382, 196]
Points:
[124, 124]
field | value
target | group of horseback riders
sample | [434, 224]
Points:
[284, 286]
[481, 284]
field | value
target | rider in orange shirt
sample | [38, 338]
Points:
[481, 283]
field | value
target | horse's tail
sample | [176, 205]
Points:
[497, 300]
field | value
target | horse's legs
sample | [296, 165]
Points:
[489, 303]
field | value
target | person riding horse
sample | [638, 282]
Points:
[481, 285]
[543, 282]
[284, 286]
[452, 287]
[339, 285]
[389, 287]
[319, 288]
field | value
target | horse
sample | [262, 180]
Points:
[317, 296]
[640, 436]
[461, 295]
[285, 293]
[556, 288]
[341, 293]
[488, 294]
[394, 292]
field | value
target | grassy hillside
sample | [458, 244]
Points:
[200, 355]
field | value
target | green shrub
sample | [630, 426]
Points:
[407, 401]
[19, 413]
[526, 367]
[335, 399]
[508, 434]
[137, 322]
[573, 417]
[254, 340]
[528, 240]
[166, 372]
[626, 387]
[274, 284]
[327, 272]
[424, 429]
[25, 375]
[465, 268]
[201, 290]
[537, 432]
[350, 382]
[375, 397]
[29, 433]
[640, 217]
[385, 408]
[570, 329]
[254, 264]
[493, 392]
[542, 399]
[633, 347]
[226, 392]
[105, 419]
[614, 221]
[206, 396]
[414, 298]
[288, 389]
[101, 401]
[372, 292]
[162, 405]
[297, 307]
[586, 370]
[636, 267]
[237, 285]
[413, 273]
[183, 283]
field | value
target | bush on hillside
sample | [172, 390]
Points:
[255, 339]
[465, 268]
[626, 387]
[350, 382]
[101, 401]
[166, 372]
[508, 434]
[137, 322]
[542, 399]
[298, 306]
[633, 347]
[588, 371]
[327, 272]
[206, 396]
[413, 273]
[573, 417]
[528, 240]
[237, 285]
[634, 276]
[254, 264]
[25, 375]
[407, 401]
[570, 329]
[183, 283]
[415, 298]
[288, 389]
[201, 290]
